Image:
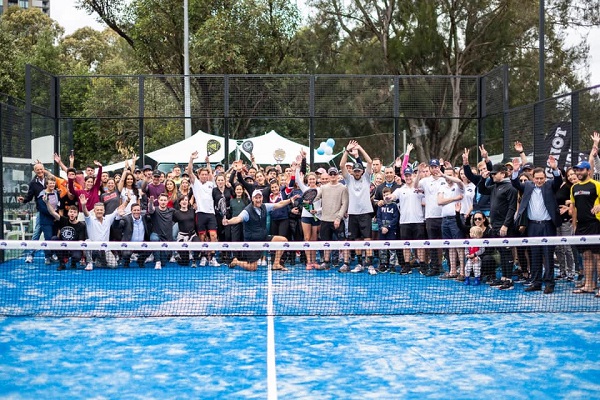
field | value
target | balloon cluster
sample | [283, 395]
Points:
[326, 147]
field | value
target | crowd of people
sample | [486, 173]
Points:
[361, 200]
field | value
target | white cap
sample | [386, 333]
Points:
[257, 192]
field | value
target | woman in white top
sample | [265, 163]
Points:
[310, 216]
[128, 189]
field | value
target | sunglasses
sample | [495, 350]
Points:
[332, 174]
[524, 180]
[478, 219]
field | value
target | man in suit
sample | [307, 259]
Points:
[135, 229]
[539, 215]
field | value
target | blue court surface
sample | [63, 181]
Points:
[516, 356]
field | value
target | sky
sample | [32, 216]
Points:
[65, 13]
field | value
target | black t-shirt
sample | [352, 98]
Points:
[185, 220]
[71, 232]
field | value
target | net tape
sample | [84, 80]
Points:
[316, 245]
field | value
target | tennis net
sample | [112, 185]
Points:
[186, 285]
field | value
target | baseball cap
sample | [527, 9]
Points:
[321, 171]
[583, 165]
[219, 166]
[333, 171]
[156, 173]
[408, 171]
[147, 167]
[349, 163]
[257, 192]
[498, 168]
[529, 166]
[137, 170]
[434, 162]
[357, 167]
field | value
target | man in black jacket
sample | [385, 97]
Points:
[503, 202]
[539, 214]
[135, 229]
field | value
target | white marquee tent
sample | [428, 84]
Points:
[265, 146]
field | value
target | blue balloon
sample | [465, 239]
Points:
[330, 142]
[320, 151]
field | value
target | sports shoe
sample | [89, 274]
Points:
[323, 266]
[172, 259]
[358, 268]
[158, 265]
[89, 266]
[507, 285]
[496, 282]
[344, 268]
[54, 257]
[48, 261]
[134, 257]
[214, 263]
[193, 263]
[432, 272]
[406, 269]
[73, 265]
[477, 281]
[29, 258]
[150, 258]
[203, 262]
[467, 281]
[448, 275]
[394, 269]
[383, 269]
[372, 270]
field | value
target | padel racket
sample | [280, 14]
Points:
[248, 146]
[212, 146]
[222, 207]
[307, 200]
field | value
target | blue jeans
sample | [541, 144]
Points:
[161, 256]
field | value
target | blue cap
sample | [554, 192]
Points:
[408, 171]
[583, 165]
[434, 162]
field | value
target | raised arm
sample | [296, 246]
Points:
[519, 149]
[59, 162]
[190, 167]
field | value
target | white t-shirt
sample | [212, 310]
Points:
[203, 196]
[431, 187]
[468, 196]
[359, 194]
[448, 192]
[410, 203]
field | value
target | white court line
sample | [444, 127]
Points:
[271, 372]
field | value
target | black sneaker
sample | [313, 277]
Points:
[433, 271]
[423, 268]
[507, 285]
[496, 282]
[406, 269]
[393, 270]
[383, 269]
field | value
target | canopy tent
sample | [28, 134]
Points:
[179, 152]
[264, 147]
[267, 144]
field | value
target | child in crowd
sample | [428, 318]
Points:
[473, 263]
[388, 216]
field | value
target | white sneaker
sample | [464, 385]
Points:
[29, 259]
[194, 264]
[48, 261]
[158, 265]
[203, 262]
[372, 270]
[54, 257]
[89, 266]
[358, 268]
[134, 257]
[214, 263]
[172, 259]
[150, 258]
[262, 262]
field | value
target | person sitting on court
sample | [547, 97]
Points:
[254, 219]
[69, 229]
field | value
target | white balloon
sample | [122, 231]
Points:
[323, 145]
[328, 150]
